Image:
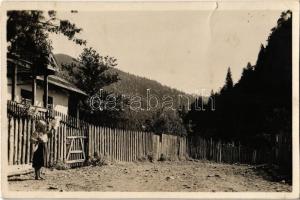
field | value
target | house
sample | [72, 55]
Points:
[43, 87]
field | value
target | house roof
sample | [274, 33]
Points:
[52, 63]
[26, 66]
[62, 83]
[54, 79]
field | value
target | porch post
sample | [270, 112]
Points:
[77, 113]
[45, 90]
[33, 89]
[14, 83]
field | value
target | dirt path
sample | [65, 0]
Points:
[145, 176]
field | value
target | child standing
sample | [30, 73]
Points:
[39, 139]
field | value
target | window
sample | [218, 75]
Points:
[26, 96]
[50, 102]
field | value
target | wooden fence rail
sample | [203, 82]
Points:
[119, 145]
[279, 153]
[76, 140]
[73, 144]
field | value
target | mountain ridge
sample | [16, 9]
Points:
[129, 83]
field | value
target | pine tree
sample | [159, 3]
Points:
[228, 82]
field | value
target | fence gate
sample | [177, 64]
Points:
[76, 153]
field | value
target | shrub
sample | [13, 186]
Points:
[164, 157]
[142, 158]
[150, 157]
[100, 159]
[60, 165]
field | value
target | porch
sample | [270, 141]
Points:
[68, 145]
[42, 87]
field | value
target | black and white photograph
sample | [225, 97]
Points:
[123, 98]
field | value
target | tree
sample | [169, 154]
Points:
[260, 57]
[252, 110]
[228, 81]
[28, 34]
[90, 74]
[166, 121]
[247, 80]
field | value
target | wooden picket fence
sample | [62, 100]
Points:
[75, 140]
[209, 149]
[229, 152]
[62, 146]
[118, 144]
[19, 146]
[173, 147]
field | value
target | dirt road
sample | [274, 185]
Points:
[189, 176]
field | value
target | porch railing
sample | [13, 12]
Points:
[21, 124]
[22, 110]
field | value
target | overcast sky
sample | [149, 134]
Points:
[187, 50]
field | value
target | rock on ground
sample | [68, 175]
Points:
[189, 176]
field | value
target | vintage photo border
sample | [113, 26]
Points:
[293, 5]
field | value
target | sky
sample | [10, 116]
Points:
[189, 50]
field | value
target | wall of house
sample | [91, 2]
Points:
[60, 97]
[8, 88]
[60, 100]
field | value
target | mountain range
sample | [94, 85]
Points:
[132, 85]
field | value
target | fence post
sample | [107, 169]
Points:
[220, 144]
[28, 140]
[64, 140]
[11, 140]
[211, 149]
[239, 152]
[24, 141]
[89, 140]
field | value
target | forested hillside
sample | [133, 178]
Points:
[257, 110]
[130, 86]
[259, 104]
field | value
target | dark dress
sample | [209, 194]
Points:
[40, 156]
